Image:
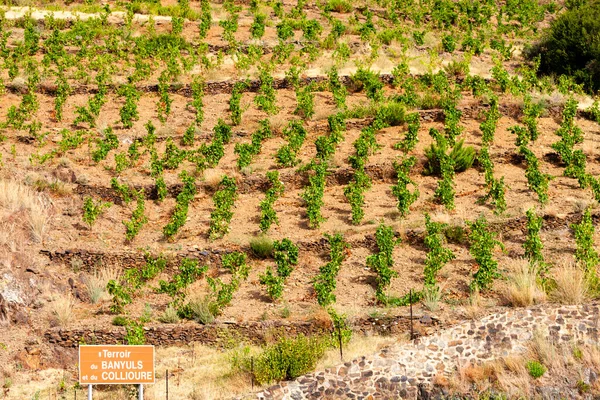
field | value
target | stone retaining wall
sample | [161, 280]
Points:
[219, 333]
[403, 371]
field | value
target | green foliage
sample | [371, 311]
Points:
[164, 101]
[313, 194]
[268, 216]
[173, 156]
[161, 188]
[488, 126]
[404, 196]
[257, 29]
[246, 151]
[444, 193]
[189, 272]
[286, 256]
[129, 111]
[134, 334]
[339, 6]
[274, 284]
[535, 369]
[126, 193]
[235, 101]
[222, 293]
[92, 210]
[412, 135]
[120, 296]
[295, 134]
[223, 200]
[305, 99]
[570, 135]
[536, 180]
[325, 283]
[438, 255]
[495, 187]
[286, 359]
[198, 96]
[567, 47]
[138, 218]
[382, 262]
[483, 243]
[337, 88]
[370, 82]
[449, 43]
[461, 157]
[533, 244]
[342, 331]
[184, 199]
[326, 144]
[584, 238]
[266, 97]
[188, 136]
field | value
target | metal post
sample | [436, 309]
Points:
[252, 371]
[340, 339]
[412, 334]
[167, 379]
[141, 392]
[89, 392]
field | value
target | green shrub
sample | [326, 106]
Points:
[288, 359]
[169, 316]
[202, 310]
[120, 320]
[535, 369]
[340, 6]
[463, 157]
[262, 246]
[391, 114]
[570, 45]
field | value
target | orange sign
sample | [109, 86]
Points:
[110, 365]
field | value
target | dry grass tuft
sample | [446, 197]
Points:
[15, 197]
[474, 308]
[523, 287]
[571, 284]
[96, 284]
[432, 295]
[513, 378]
[357, 347]
[61, 309]
[212, 177]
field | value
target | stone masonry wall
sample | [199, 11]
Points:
[404, 370]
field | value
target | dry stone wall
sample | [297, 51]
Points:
[406, 371]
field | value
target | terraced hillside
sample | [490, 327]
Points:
[223, 175]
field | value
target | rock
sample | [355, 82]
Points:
[33, 270]
[20, 318]
[3, 309]
[65, 174]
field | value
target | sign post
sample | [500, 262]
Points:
[116, 365]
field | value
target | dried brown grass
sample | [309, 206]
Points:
[523, 287]
[15, 197]
[61, 309]
[571, 284]
[95, 283]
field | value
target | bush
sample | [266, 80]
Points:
[570, 46]
[262, 246]
[463, 158]
[169, 316]
[535, 369]
[202, 310]
[119, 320]
[288, 359]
